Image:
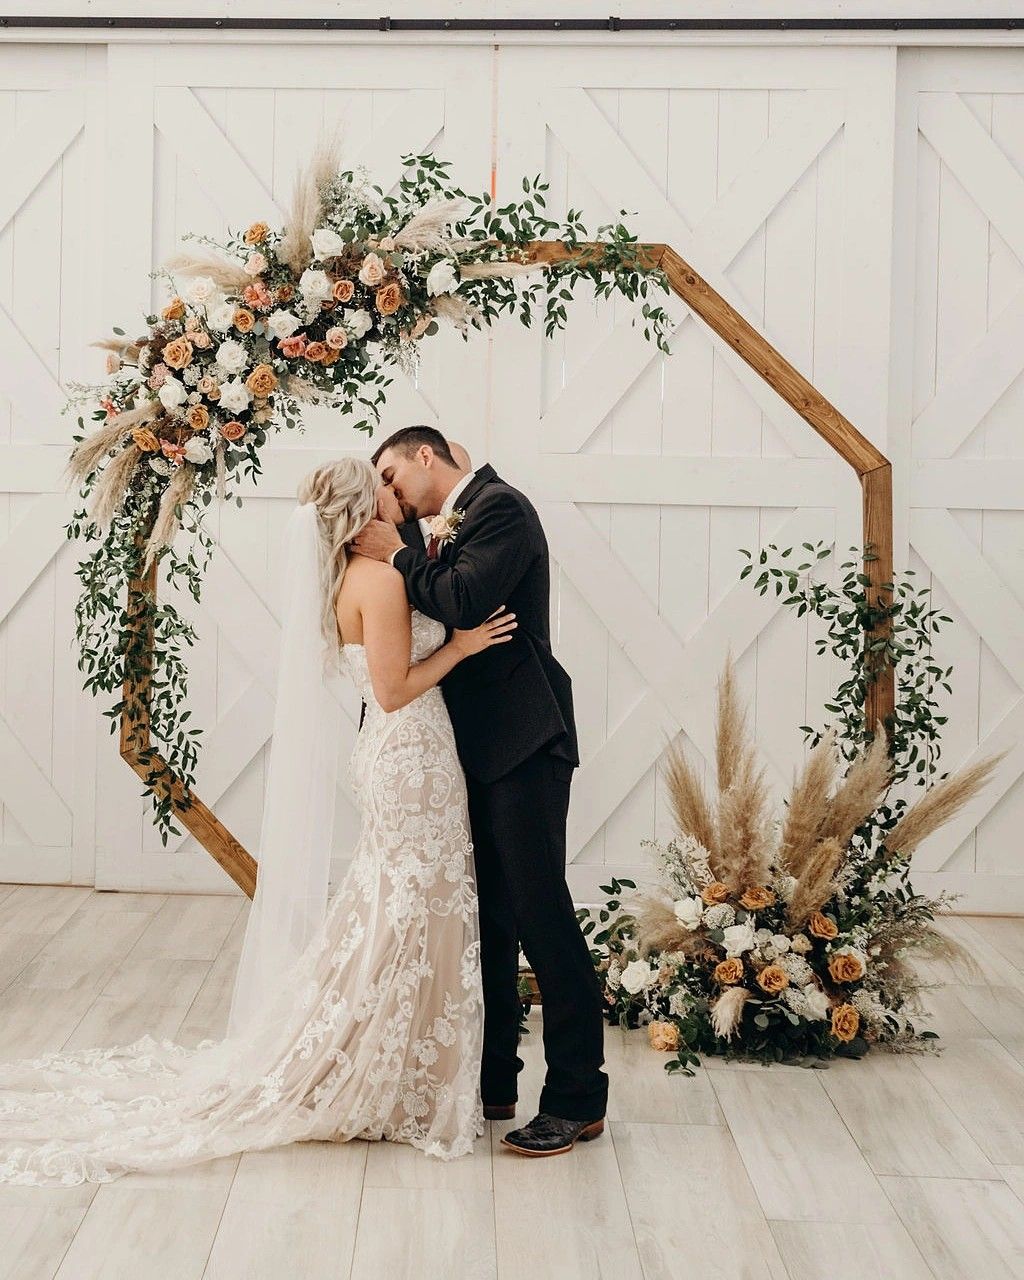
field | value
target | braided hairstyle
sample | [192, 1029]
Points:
[344, 493]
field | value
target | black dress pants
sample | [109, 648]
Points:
[518, 829]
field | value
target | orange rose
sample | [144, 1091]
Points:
[821, 926]
[233, 430]
[200, 339]
[243, 320]
[145, 439]
[729, 971]
[285, 292]
[663, 1036]
[262, 380]
[714, 893]
[331, 356]
[757, 898]
[772, 979]
[845, 1022]
[388, 299]
[198, 417]
[256, 234]
[315, 351]
[174, 310]
[343, 290]
[178, 353]
[845, 967]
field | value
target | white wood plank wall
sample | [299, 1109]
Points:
[861, 203]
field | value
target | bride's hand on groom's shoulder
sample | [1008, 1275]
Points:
[377, 540]
[497, 629]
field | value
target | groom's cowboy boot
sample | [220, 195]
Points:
[548, 1135]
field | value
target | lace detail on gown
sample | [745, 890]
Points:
[375, 1032]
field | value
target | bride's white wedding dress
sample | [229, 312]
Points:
[375, 1032]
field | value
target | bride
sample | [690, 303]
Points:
[357, 1016]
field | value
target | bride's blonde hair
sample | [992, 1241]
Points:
[344, 493]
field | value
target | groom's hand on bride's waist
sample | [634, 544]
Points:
[378, 540]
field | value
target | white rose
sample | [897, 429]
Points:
[688, 912]
[234, 396]
[637, 975]
[202, 289]
[172, 393]
[815, 1003]
[441, 278]
[232, 356]
[282, 324]
[198, 450]
[781, 943]
[221, 317]
[315, 286]
[737, 939]
[358, 322]
[326, 243]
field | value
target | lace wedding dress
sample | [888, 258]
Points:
[375, 1032]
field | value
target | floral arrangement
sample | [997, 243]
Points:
[269, 321]
[780, 937]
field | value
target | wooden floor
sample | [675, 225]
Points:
[892, 1167]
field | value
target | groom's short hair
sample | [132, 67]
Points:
[409, 439]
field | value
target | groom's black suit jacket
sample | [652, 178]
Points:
[511, 699]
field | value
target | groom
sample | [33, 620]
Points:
[511, 710]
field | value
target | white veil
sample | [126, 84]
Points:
[290, 902]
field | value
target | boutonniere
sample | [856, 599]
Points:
[445, 527]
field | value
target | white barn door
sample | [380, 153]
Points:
[216, 134]
[773, 177]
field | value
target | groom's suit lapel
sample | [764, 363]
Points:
[483, 476]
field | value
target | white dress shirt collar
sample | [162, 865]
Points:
[449, 503]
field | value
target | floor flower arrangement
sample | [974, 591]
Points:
[781, 938]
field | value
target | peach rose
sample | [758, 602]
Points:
[293, 346]
[262, 380]
[845, 1022]
[757, 898]
[729, 971]
[243, 320]
[200, 338]
[256, 234]
[714, 893]
[145, 439]
[315, 351]
[389, 299]
[258, 295]
[663, 1036]
[336, 338]
[232, 430]
[113, 362]
[174, 310]
[198, 417]
[372, 270]
[255, 264]
[821, 926]
[176, 452]
[343, 290]
[845, 967]
[207, 386]
[772, 979]
[178, 353]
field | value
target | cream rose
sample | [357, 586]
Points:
[372, 270]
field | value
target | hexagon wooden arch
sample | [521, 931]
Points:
[872, 467]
